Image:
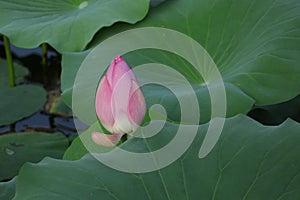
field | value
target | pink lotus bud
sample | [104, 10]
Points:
[120, 104]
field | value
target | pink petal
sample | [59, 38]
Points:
[121, 79]
[137, 104]
[106, 140]
[117, 69]
[103, 104]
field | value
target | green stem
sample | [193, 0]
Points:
[11, 71]
[44, 54]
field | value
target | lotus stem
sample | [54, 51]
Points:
[44, 54]
[11, 71]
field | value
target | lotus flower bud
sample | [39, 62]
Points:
[120, 104]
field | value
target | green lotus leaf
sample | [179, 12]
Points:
[250, 161]
[254, 44]
[19, 102]
[8, 189]
[65, 25]
[18, 148]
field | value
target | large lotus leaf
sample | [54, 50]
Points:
[254, 44]
[20, 73]
[19, 102]
[8, 189]
[250, 161]
[65, 25]
[18, 148]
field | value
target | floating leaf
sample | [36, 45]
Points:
[65, 25]
[19, 102]
[8, 189]
[18, 148]
[250, 161]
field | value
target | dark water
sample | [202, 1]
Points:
[47, 76]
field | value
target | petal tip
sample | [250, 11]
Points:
[106, 140]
